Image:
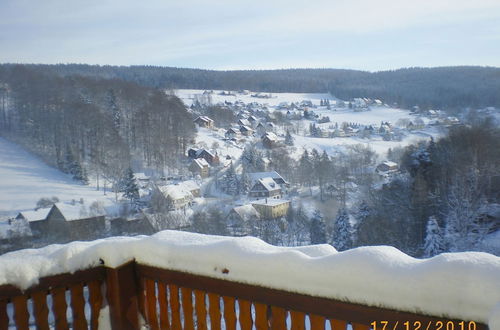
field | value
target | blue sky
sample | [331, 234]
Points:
[358, 34]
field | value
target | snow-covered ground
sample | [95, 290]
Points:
[333, 145]
[455, 285]
[24, 179]
[189, 95]
[374, 116]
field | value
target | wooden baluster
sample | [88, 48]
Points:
[358, 326]
[261, 316]
[78, 307]
[21, 314]
[4, 317]
[40, 310]
[59, 307]
[229, 313]
[245, 316]
[317, 322]
[338, 324]
[298, 320]
[151, 304]
[278, 318]
[162, 300]
[175, 307]
[214, 311]
[95, 302]
[201, 310]
[187, 308]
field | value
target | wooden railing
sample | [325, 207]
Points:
[167, 299]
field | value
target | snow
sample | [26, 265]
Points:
[36, 215]
[77, 211]
[26, 179]
[255, 176]
[270, 202]
[455, 285]
[188, 95]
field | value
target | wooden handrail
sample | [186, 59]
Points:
[324, 307]
[169, 299]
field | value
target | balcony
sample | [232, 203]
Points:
[217, 283]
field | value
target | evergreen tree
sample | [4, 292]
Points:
[342, 233]
[129, 186]
[317, 229]
[288, 138]
[433, 244]
[230, 182]
[245, 182]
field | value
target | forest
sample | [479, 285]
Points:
[87, 124]
[448, 88]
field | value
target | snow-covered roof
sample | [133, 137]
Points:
[462, 286]
[246, 212]
[77, 211]
[269, 184]
[390, 163]
[245, 128]
[271, 136]
[179, 190]
[270, 202]
[204, 118]
[175, 191]
[201, 162]
[190, 185]
[36, 215]
[259, 175]
[244, 122]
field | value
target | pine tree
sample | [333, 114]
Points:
[245, 182]
[317, 229]
[288, 138]
[129, 186]
[342, 234]
[230, 182]
[433, 244]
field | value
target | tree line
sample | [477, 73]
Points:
[449, 88]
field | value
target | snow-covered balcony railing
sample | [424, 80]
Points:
[175, 280]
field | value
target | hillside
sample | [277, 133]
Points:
[26, 179]
[441, 87]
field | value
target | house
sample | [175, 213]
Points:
[246, 130]
[272, 208]
[232, 133]
[387, 167]
[254, 177]
[35, 219]
[265, 188]
[200, 166]
[244, 122]
[176, 196]
[252, 120]
[211, 157]
[269, 140]
[204, 121]
[67, 222]
[239, 219]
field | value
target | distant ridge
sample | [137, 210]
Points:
[441, 87]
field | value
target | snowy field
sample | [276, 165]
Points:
[374, 117]
[188, 95]
[24, 179]
[339, 144]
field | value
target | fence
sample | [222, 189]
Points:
[167, 299]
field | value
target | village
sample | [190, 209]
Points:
[217, 172]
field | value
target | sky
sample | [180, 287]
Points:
[240, 34]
